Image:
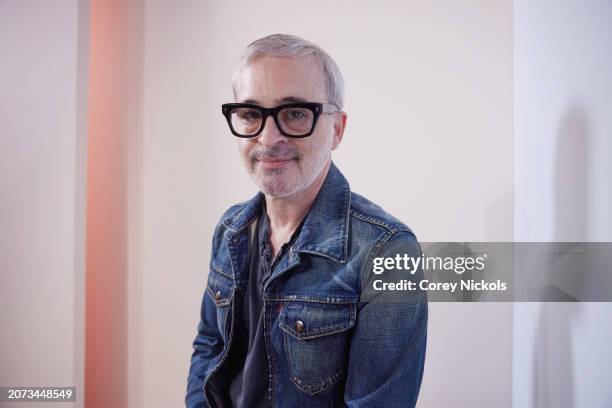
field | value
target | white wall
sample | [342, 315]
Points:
[442, 70]
[562, 106]
[42, 185]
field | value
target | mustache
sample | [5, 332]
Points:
[274, 153]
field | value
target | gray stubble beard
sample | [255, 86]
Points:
[298, 183]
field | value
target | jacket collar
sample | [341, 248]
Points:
[325, 228]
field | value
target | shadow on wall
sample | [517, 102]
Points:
[571, 177]
[553, 363]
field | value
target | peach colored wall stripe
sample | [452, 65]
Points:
[106, 304]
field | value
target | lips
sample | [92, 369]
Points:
[275, 162]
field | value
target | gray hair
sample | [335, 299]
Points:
[285, 45]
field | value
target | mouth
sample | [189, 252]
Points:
[275, 162]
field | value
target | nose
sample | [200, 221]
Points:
[270, 135]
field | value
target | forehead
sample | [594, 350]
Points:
[269, 80]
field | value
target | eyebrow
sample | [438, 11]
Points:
[287, 99]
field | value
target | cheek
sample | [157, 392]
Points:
[243, 148]
[325, 130]
[305, 146]
[320, 140]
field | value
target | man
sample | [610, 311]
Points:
[288, 318]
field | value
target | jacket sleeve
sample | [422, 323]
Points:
[387, 349]
[206, 346]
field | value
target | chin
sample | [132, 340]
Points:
[272, 186]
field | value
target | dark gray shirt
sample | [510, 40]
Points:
[249, 387]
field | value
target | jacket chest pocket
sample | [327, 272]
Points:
[220, 289]
[316, 341]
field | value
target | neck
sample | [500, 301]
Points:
[286, 213]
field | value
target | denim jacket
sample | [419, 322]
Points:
[327, 346]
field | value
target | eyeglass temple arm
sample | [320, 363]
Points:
[329, 108]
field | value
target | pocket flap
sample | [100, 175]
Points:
[219, 288]
[307, 320]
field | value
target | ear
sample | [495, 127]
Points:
[339, 126]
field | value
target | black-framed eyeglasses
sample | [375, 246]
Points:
[292, 119]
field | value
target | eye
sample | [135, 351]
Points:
[248, 115]
[295, 114]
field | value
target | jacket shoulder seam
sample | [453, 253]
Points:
[395, 227]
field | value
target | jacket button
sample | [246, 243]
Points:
[299, 326]
[218, 295]
[235, 240]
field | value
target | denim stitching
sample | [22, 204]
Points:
[377, 221]
[314, 299]
[221, 271]
[324, 331]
